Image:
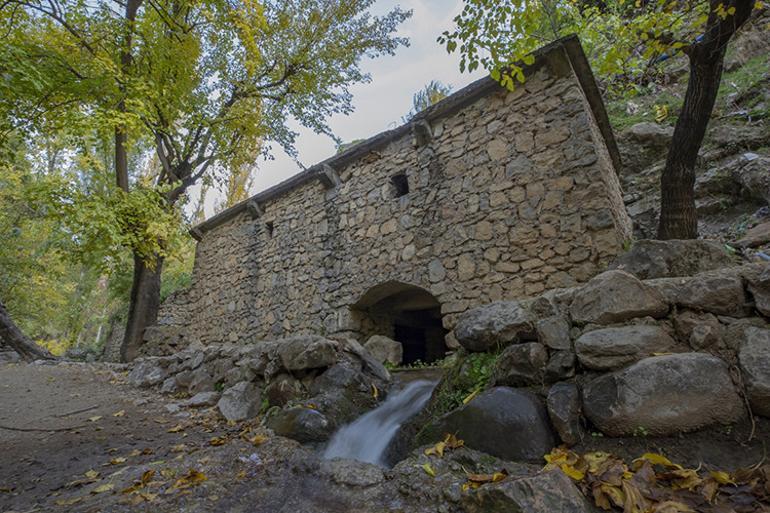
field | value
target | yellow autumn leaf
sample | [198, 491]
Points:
[217, 441]
[192, 478]
[437, 449]
[94, 418]
[175, 429]
[103, 488]
[722, 477]
[91, 474]
[258, 440]
[428, 469]
[671, 507]
[656, 459]
[375, 392]
[117, 461]
[452, 442]
[120, 413]
[68, 502]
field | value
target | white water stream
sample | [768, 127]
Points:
[366, 438]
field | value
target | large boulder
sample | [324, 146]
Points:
[670, 258]
[663, 395]
[718, 293]
[202, 399]
[554, 332]
[307, 352]
[643, 144]
[521, 365]
[611, 348]
[495, 324]
[282, 389]
[147, 373]
[754, 359]
[240, 402]
[616, 296]
[384, 349]
[507, 423]
[550, 491]
[757, 236]
[301, 423]
[752, 172]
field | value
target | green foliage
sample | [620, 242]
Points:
[470, 375]
[432, 93]
[624, 39]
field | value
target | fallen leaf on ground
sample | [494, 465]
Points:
[119, 413]
[94, 418]
[68, 502]
[428, 469]
[176, 429]
[218, 440]
[192, 478]
[117, 461]
[92, 474]
[258, 440]
[103, 488]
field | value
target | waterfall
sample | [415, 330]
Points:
[366, 438]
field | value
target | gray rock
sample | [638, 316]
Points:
[700, 330]
[663, 395]
[751, 171]
[611, 348]
[9, 357]
[642, 145]
[521, 365]
[504, 422]
[563, 404]
[240, 402]
[202, 399]
[352, 473]
[282, 389]
[169, 386]
[759, 287]
[384, 349]
[548, 492]
[301, 424]
[238, 374]
[670, 258]
[307, 352]
[147, 373]
[201, 381]
[560, 366]
[721, 294]
[554, 332]
[735, 333]
[616, 296]
[754, 359]
[495, 324]
[756, 236]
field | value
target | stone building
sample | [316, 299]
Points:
[487, 195]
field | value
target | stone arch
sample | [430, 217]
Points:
[406, 313]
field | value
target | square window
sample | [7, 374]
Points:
[400, 185]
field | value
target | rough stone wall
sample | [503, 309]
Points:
[514, 194]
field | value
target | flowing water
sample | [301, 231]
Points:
[366, 438]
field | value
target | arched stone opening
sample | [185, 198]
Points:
[406, 313]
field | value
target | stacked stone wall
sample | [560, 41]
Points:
[512, 195]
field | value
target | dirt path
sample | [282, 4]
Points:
[96, 423]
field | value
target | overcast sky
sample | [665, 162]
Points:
[380, 103]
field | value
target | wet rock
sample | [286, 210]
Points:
[147, 373]
[563, 405]
[663, 395]
[282, 389]
[554, 332]
[611, 348]
[384, 349]
[495, 324]
[720, 294]
[548, 492]
[616, 296]
[339, 376]
[504, 422]
[560, 366]
[663, 259]
[352, 473]
[202, 399]
[754, 359]
[307, 352]
[301, 424]
[240, 402]
[521, 365]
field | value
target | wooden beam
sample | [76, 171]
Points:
[196, 233]
[422, 131]
[329, 177]
[253, 208]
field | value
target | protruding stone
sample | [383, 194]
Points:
[307, 352]
[240, 402]
[554, 332]
[521, 365]
[384, 349]
[147, 373]
[301, 424]
[616, 296]
[563, 404]
[754, 358]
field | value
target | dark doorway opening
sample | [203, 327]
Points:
[408, 314]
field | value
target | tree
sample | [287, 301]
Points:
[207, 84]
[433, 92]
[623, 39]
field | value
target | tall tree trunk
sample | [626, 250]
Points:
[678, 219]
[11, 335]
[677, 182]
[143, 309]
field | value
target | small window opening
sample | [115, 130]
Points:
[269, 227]
[400, 185]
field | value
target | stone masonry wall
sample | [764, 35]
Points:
[513, 195]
